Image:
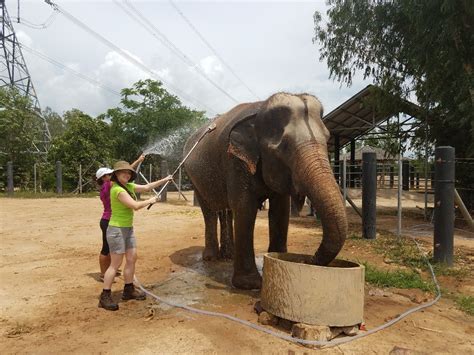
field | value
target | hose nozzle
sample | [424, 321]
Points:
[211, 127]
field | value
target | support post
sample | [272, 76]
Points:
[412, 177]
[444, 205]
[369, 196]
[337, 159]
[10, 178]
[405, 175]
[399, 198]
[352, 168]
[164, 173]
[150, 175]
[34, 176]
[392, 176]
[344, 174]
[179, 184]
[59, 178]
[417, 179]
[80, 178]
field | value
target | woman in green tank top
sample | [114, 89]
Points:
[120, 236]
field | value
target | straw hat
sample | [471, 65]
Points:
[123, 165]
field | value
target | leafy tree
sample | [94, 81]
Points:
[20, 132]
[147, 111]
[56, 124]
[409, 48]
[85, 141]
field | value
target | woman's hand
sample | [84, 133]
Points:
[168, 178]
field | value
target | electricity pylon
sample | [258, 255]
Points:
[14, 73]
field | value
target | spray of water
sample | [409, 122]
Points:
[170, 146]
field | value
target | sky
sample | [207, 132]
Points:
[267, 44]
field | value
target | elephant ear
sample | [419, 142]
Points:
[243, 144]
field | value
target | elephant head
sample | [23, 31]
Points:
[287, 140]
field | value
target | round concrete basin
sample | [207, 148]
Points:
[330, 295]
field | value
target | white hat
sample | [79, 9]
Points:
[103, 171]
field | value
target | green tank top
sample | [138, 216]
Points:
[122, 216]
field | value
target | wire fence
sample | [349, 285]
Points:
[47, 178]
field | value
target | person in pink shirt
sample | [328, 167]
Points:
[103, 180]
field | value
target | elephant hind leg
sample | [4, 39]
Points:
[227, 235]
[211, 247]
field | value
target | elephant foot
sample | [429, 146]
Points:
[247, 281]
[210, 254]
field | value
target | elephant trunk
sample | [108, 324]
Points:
[314, 178]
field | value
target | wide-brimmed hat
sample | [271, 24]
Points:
[123, 165]
[103, 171]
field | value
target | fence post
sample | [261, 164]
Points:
[164, 173]
[444, 205]
[399, 197]
[417, 179]
[59, 178]
[369, 196]
[344, 178]
[352, 167]
[10, 178]
[151, 169]
[34, 175]
[337, 159]
[179, 184]
[405, 175]
[80, 178]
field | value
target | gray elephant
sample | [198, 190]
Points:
[271, 149]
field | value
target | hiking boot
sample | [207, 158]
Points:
[131, 293]
[106, 301]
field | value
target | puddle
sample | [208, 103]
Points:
[203, 283]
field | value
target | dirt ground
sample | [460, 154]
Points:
[49, 287]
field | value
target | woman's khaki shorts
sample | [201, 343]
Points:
[120, 239]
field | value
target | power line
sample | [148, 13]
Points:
[37, 26]
[124, 54]
[211, 48]
[66, 68]
[155, 32]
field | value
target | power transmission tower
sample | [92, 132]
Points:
[14, 72]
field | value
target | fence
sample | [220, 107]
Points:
[41, 178]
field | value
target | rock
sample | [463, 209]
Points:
[266, 318]
[258, 307]
[379, 292]
[311, 332]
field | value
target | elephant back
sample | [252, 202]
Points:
[206, 165]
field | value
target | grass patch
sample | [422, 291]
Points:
[465, 304]
[397, 278]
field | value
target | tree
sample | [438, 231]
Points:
[20, 130]
[56, 124]
[85, 141]
[147, 111]
[409, 48]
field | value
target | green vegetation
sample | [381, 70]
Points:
[413, 50]
[465, 304]
[147, 111]
[397, 278]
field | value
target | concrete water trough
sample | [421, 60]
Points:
[295, 290]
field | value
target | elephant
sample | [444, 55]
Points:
[270, 149]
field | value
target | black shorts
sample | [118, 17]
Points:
[104, 223]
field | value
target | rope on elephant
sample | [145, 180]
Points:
[287, 337]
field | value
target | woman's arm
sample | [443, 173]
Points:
[152, 185]
[138, 161]
[131, 203]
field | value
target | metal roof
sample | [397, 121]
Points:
[353, 118]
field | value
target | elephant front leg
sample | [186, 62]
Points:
[278, 219]
[246, 275]
[227, 235]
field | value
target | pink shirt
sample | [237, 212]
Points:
[105, 198]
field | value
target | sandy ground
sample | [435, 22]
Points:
[49, 288]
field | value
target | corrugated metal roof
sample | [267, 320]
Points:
[353, 118]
